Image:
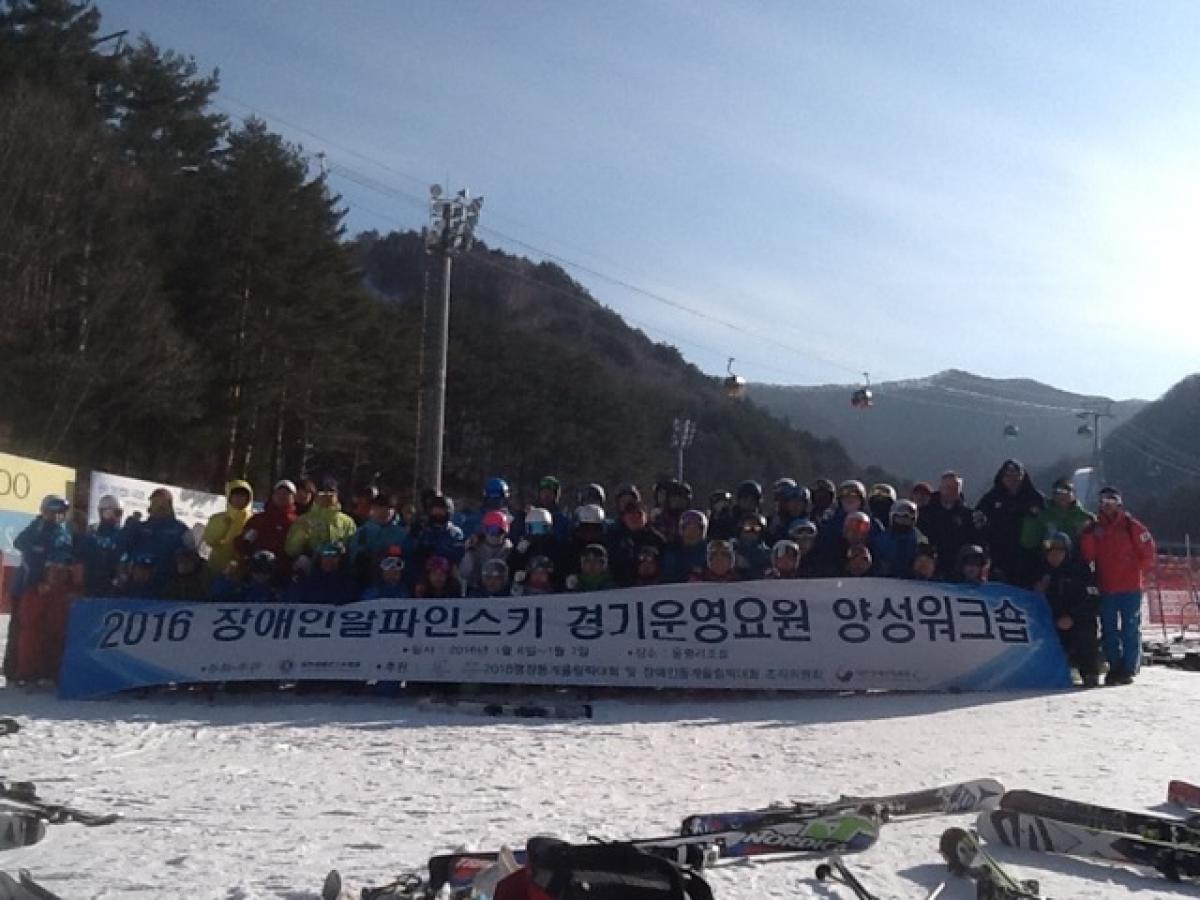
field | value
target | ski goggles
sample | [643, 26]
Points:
[391, 563]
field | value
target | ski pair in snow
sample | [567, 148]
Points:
[1042, 822]
[848, 824]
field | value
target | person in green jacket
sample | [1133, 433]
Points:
[324, 523]
[1062, 514]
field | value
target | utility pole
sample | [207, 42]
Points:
[683, 432]
[451, 231]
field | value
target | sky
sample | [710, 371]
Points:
[828, 189]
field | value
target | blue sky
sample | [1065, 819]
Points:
[1009, 188]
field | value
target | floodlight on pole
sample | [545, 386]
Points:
[683, 432]
[451, 231]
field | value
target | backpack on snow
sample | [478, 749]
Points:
[617, 871]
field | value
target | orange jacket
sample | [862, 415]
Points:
[1122, 550]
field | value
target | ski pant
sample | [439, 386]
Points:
[1081, 644]
[42, 635]
[1121, 630]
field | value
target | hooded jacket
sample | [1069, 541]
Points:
[320, 525]
[223, 529]
[1003, 515]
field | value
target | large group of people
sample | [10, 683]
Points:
[304, 547]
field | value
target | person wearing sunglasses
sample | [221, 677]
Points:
[753, 558]
[493, 545]
[389, 583]
[1121, 549]
[1063, 514]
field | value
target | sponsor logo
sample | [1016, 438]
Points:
[770, 838]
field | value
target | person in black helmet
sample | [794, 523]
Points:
[678, 501]
[1074, 602]
[746, 500]
[720, 516]
[794, 502]
[823, 492]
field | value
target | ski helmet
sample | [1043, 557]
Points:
[785, 548]
[538, 521]
[750, 488]
[590, 514]
[495, 521]
[496, 489]
[782, 486]
[694, 517]
[593, 493]
[904, 508]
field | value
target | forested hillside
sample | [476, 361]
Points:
[179, 301]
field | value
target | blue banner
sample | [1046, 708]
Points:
[824, 634]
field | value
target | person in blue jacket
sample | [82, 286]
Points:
[159, 535]
[390, 583]
[103, 549]
[376, 538]
[896, 547]
[688, 553]
[257, 587]
[45, 536]
[329, 582]
[437, 537]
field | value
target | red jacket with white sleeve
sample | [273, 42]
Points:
[1122, 550]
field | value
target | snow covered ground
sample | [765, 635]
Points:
[258, 796]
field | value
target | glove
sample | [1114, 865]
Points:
[519, 578]
[572, 582]
[302, 565]
[523, 546]
[979, 520]
[250, 536]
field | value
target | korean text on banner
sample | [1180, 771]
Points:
[793, 635]
[23, 484]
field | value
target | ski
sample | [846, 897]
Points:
[777, 831]
[9, 726]
[24, 793]
[835, 870]
[1184, 793]
[20, 829]
[1146, 825]
[948, 799]
[965, 856]
[1015, 829]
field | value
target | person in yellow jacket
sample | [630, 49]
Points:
[222, 528]
[324, 523]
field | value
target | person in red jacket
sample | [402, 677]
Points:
[1121, 550]
[268, 530]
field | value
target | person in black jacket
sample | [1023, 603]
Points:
[1074, 603]
[1002, 512]
[948, 523]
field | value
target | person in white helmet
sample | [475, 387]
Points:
[103, 547]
